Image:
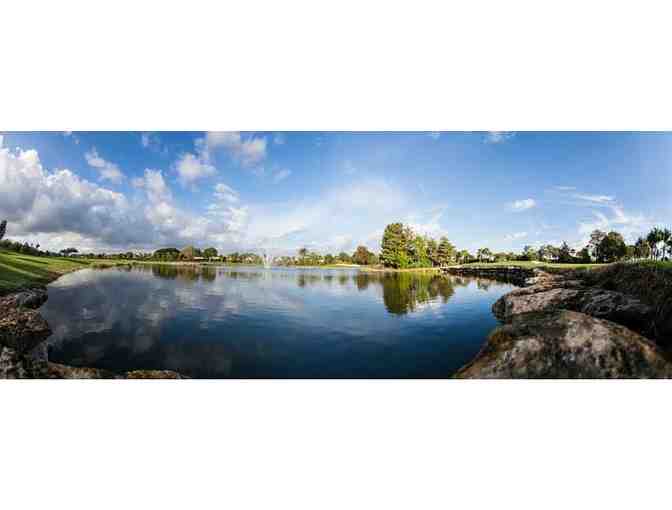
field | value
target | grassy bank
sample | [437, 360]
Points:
[532, 264]
[19, 271]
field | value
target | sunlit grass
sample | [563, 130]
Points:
[18, 270]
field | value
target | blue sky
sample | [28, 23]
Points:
[329, 191]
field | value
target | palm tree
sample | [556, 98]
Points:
[653, 238]
[666, 238]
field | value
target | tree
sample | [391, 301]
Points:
[329, 258]
[565, 253]
[446, 251]
[666, 239]
[584, 256]
[362, 256]
[303, 252]
[210, 252]
[642, 249]
[393, 246]
[3, 229]
[529, 253]
[611, 248]
[654, 237]
[463, 256]
[344, 257]
[69, 251]
[433, 251]
[188, 253]
[596, 237]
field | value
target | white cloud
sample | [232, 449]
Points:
[191, 168]
[226, 193]
[597, 199]
[434, 135]
[60, 208]
[522, 205]
[108, 171]
[630, 225]
[279, 139]
[248, 151]
[499, 136]
[515, 236]
[282, 175]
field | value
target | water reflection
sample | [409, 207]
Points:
[216, 321]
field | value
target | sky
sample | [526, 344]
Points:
[329, 191]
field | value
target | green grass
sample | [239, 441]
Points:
[19, 271]
[532, 264]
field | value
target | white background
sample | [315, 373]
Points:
[343, 65]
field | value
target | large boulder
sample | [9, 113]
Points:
[23, 351]
[603, 304]
[563, 344]
[29, 298]
[533, 299]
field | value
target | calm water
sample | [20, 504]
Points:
[250, 322]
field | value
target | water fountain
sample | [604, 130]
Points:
[267, 258]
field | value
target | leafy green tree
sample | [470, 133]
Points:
[433, 252]
[611, 248]
[210, 252]
[344, 258]
[529, 253]
[642, 249]
[393, 246]
[362, 256]
[3, 229]
[565, 253]
[446, 252]
[329, 258]
[596, 237]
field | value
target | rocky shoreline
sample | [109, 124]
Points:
[565, 326]
[23, 345]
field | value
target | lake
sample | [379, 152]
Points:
[251, 322]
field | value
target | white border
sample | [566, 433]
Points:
[300, 65]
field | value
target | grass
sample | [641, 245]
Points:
[533, 264]
[19, 271]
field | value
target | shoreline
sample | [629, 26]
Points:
[613, 322]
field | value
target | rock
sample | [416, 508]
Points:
[153, 374]
[22, 329]
[603, 304]
[58, 371]
[617, 307]
[26, 365]
[564, 344]
[532, 300]
[31, 298]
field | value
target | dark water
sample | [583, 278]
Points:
[253, 323]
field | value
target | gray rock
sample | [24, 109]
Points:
[603, 304]
[563, 345]
[31, 298]
[532, 300]
[22, 329]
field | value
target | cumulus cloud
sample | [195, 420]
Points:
[499, 136]
[108, 171]
[226, 193]
[192, 168]
[248, 151]
[522, 205]
[58, 208]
